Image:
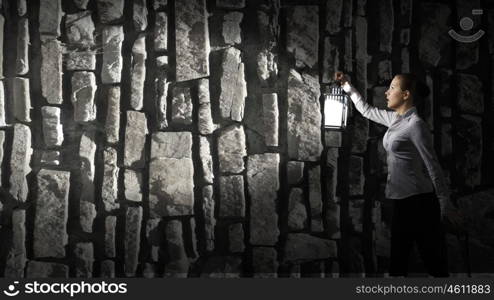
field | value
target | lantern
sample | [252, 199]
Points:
[335, 108]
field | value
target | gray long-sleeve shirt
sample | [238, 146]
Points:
[413, 167]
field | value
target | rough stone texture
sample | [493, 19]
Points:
[331, 60]
[361, 56]
[177, 264]
[51, 71]
[112, 122]
[19, 162]
[469, 150]
[265, 262]
[113, 37]
[110, 233]
[155, 237]
[2, 142]
[304, 117]
[181, 105]
[475, 208]
[332, 138]
[81, 61]
[405, 37]
[52, 129]
[159, 4]
[50, 234]
[360, 134]
[384, 71]
[109, 188]
[236, 238]
[83, 91]
[230, 3]
[38, 269]
[333, 220]
[133, 222]
[433, 42]
[303, 34]
[192, 39]
[270, 116]
[133, 185]
[295, 172]
[405, 58]
[356, 176]
[206, 160]
[140, 15]
[231, 28]
[232, 199]
[333, 16]
[315, 198]
[22, 99]
[446, 139]
[50, 157]
[87, 152]
[267, 67]
[263, 186]
[2, 28]
[107, 269]
[110, 10]
[205, 119]
[386, 26]
[80, 29]
[208, 207]
[135, 139]
[171, 184]
[297, 213]
[161, 32]
[17, 256]
[50, 17]
[222, 267]
[231, 149]
[233, 86]
[348, 51]
[84, 258]
[356, 213]
[161, 86]
[470, 95]
[81, 4]
[302, 247]
[138, 73]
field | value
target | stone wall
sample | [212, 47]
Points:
[184, 138]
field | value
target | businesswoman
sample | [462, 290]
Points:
[415, 185]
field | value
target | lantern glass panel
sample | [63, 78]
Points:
[335, 109]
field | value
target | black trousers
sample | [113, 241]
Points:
[417, 219]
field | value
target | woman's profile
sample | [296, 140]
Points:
[415, 184]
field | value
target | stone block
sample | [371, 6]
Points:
[83, 92]
[80, 29]
[138, 73]
[181, 105]
[135, 139]
[232, 199]
[52, 128]
[52, 206]
[263, 186]
[303, 34]
[133, 220]
[111, 70]
[51, 71]
[304, 117]
[19, 162]
[192, 39]
[232, 149]
[270, 116]
[233, 85]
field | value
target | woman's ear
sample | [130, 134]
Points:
[406, 94]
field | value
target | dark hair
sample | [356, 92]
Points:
[418, 89]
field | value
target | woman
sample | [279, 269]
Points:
[415, 183]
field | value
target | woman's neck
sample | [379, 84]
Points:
[404, 108]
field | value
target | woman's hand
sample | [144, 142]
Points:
[340, 77]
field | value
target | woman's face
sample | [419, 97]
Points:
[394, 95]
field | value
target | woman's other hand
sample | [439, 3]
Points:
[340, 77]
